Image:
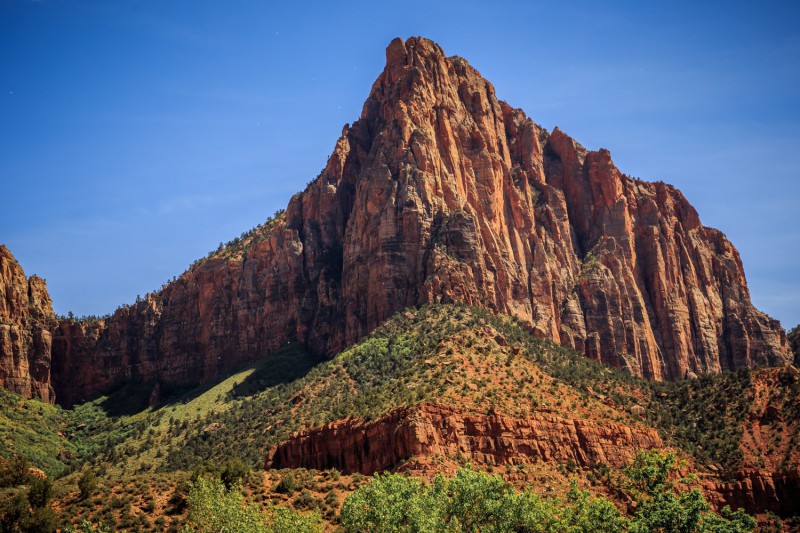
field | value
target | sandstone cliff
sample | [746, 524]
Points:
[431, 430]
[440, 192]
[26, 317]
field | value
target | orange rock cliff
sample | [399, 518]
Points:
[440, 192]
[26, 317]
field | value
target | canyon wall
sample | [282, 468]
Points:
[26, 317]
[440, 192]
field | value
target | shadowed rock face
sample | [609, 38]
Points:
[26, 316]
[440, 193]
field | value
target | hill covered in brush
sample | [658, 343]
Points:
[429, 391]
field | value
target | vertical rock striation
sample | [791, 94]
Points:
[440, 192]
[26, 317]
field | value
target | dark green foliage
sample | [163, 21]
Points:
[385, 370]
[794, 342]
[87, 483]
[14, 472]
[233, 472]
[13, 509]
[39, 520]
[40, 491]
[287, 484]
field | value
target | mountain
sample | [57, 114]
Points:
[440, 192]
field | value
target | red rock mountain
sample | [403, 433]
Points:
[26, 317]
[440, 192]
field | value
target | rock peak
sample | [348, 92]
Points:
[441, 193]
[401, 52]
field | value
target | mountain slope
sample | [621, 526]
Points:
[428, 391]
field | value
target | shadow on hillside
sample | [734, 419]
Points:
[289, 363]
[285, 365]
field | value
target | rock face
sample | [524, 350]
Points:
[440, 193]
[759, 492]
[26, 317]
[431, 430]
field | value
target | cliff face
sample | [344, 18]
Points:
[26, 316]
[432, 430]
[439, 193]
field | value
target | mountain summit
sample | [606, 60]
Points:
[440, 192]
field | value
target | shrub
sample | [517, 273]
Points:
[15, 472]
[40, 491]
[287, 484]
[233, 472]
[87, 484]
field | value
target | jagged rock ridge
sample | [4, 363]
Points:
[440, 192]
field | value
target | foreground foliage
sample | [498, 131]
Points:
[474, 501]
[213, 508]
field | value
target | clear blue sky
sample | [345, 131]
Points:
[135, 136]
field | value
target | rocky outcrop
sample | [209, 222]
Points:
[440, 192]
[759, 492]
[431, 430]
[26, 317]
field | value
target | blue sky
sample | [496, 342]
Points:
[135, 136]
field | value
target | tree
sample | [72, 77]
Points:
[40, 520]
[586, 513]
[214, 508]
[15, 473]
[40, 491]
[87, 483]
[233, 472]
[474, 501]
[12, 511]
[659, 507]
[394, 503]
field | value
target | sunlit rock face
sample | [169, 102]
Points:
[26, 317]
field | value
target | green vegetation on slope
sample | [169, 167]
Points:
[447, 354]
[475, 501]
[32, 429]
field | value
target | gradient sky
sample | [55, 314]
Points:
[135, 136]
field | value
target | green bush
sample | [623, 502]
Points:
[287, 484]
[40, 491]
[233, 472]
[213, 508]
[87, 484]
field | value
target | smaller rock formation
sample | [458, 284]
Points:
[759, 492]
[26, 315]
[429, 430]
